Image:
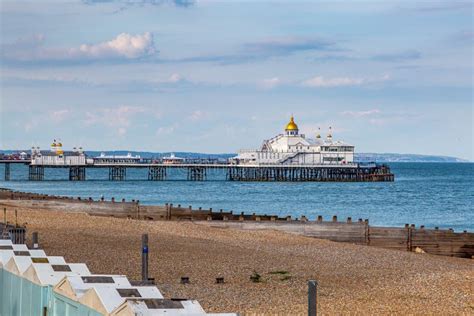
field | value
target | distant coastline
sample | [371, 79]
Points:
[361, 157]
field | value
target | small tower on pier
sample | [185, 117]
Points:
[291, 128]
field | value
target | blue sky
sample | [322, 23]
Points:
[206, 76]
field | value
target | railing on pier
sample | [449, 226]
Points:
[197, 170]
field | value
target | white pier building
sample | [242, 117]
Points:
[293, 148]
[58, 157]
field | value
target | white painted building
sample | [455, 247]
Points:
[293, 148]
[58, 157]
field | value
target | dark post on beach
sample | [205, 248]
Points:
[35, 240]
[312, 297]
[145, 258]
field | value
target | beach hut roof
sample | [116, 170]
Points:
[52, 274]
[19, 264]
[4, 242]
[95, 291]
[153, 307]
[111, 299]
[7, 250]
[74, 287]
[107, 294]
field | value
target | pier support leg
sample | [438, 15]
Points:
[156, 173]
[7, 171]
[117, 173]
[36, 173]
[77, 173]
[196, 174]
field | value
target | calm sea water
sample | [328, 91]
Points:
[427, 194]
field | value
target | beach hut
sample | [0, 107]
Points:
[94, 291]
[52, 273]
[8, 250]
[32, 283]
[19, 264]
[149, 307]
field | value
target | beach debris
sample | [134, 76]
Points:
[419, 250]
[256, 277]
[285, 275]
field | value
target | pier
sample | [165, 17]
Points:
[198, 170]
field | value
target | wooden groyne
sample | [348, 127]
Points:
[436, 241]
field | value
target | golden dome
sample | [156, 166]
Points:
[291, 126]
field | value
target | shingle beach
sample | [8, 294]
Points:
[352, 279]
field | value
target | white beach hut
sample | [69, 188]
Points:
[155, 307]
[8, 250]
[19, 264]
[52, 273]
[94, 291]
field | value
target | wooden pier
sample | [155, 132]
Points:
[197, 171]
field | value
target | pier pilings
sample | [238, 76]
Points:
[35, 173]
[156, 173]
[77, 173]
[299, 174]
[117, 173]
[197, 174]
[7, 171]
[229, 172]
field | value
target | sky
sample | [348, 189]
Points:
[216, 77]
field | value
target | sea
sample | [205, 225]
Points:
[430, 194]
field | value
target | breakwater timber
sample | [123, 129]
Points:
[409, 238]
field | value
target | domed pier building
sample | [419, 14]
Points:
[293, 148]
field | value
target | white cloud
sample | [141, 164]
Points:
[121, 131]
[196, 115]
[357, 114]
[270, 83]
[322, 82]
[113, 117]
[378, 121]
[29, 125]
[175, 78]
[165, 130]
[59, 116]
[125, 46]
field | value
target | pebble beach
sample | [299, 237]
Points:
[352, 279]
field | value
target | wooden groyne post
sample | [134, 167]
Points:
[35, 240]
[312, 297]
[145, 258]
